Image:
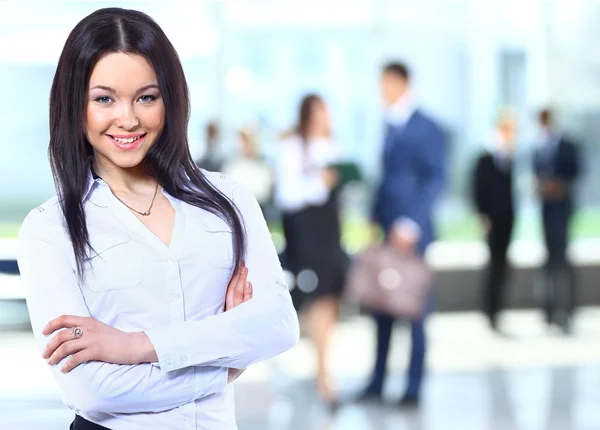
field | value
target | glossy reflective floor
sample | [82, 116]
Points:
[530, 378]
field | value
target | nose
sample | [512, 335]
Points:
[126, 117]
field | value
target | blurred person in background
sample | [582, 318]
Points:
[212, 160]
[151, 284]
[305, 193]
[251, 168]
[413, 176]
[494, 201]
[556, 166]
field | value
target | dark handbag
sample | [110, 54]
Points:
[386, 281]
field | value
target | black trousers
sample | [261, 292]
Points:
[559, 277]
[83, 424]
[495, 276]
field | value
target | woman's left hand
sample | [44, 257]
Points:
[239, 291]
[87, 339]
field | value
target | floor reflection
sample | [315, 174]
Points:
[530, 379]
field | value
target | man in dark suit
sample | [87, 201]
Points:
[493, 197]
[413, 178]
[556, 166]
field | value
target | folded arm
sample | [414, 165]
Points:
[296, 187]
[52, 290]
[256, 330]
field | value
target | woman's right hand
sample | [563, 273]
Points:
[330, 177]
[239, 291]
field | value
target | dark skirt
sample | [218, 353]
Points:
[313, 245]
[83, 424]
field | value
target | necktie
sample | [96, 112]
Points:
[390, 133]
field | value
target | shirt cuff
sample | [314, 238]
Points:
[408, 229]
[165, 341]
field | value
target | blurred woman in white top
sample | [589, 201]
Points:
[307, 196]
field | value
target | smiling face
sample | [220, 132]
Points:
[125, 113]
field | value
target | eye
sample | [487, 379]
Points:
[147, 98]
[103, 99]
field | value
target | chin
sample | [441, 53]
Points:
[122, 159]
[127, 161]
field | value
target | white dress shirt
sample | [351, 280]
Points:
[500, 151]
[548, 141]
[175, 294]
[299, 181]
[399, 112]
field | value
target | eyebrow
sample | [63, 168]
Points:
[112, 90]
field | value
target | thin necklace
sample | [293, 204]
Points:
[145, 213]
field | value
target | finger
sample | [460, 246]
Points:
[63, 321]
[68, 348]
[76, 359]
[229, 295]
[238, 271]
[230, 292]
[229, 299]
[60, 338]
[235, 289]
[248, 291]
[239, 290]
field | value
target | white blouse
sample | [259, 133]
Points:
[174, 294]
[299, 182]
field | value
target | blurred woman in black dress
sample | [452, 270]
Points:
[306, 194]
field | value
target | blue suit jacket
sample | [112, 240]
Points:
[564, 164]
[413, 175]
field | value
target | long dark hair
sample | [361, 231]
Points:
[305, 112]
[169, 160]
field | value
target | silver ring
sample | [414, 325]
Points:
[77, 332]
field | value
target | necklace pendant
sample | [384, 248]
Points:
[146, 213]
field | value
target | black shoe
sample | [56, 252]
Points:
[566, 324]
[493, 323]
[409, 401]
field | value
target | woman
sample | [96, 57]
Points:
[305, 193]
[127, 270]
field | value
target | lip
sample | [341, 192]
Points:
[127, 146]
